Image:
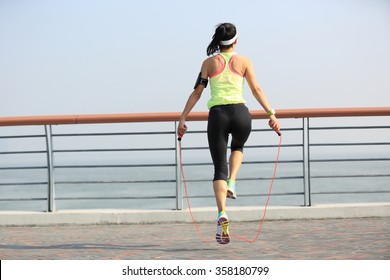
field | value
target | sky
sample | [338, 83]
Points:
[104, 57]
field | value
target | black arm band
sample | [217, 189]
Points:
[201, 81]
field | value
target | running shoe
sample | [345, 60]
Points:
[222, 235]
[231, 192]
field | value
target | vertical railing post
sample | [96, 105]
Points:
[308, 161]
[305, 155]
[50, 169]
[304, 160]
[179, 188]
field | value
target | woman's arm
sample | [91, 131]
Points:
[191, 102]
[259, 95]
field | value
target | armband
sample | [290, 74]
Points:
[201, 81]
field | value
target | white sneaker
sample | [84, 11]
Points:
[222, 235]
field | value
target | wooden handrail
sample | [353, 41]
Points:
[195, 116]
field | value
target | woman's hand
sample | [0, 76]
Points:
[181, 128]
[274, 124]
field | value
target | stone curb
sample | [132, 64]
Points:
[202, 215]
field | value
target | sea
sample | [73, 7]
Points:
[156, 188]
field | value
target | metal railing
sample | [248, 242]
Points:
[138, 165]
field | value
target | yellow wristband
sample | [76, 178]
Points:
[271, 112]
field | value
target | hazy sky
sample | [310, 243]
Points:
[95, 56]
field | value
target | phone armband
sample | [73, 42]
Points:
[201, 81]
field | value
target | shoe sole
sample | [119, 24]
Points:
[230, 194]
[225, 237]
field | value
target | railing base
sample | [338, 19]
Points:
[202, 215]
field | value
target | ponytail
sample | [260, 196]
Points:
[223, 32]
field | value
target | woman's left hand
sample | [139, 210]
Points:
[274, 124]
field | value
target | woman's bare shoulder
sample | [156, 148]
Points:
[243, 59]
[210, 60]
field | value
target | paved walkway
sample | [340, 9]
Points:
[296, 239]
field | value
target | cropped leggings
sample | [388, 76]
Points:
[223, 120]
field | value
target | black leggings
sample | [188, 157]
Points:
[223, 120]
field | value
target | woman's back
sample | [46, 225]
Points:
[226, 83]
[214, 64]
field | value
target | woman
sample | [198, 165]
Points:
[228, 114]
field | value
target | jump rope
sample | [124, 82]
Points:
[265, 206]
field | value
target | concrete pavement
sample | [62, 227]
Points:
[353, 238]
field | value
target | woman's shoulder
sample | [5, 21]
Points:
[214, 58]
[242, 58]
[210, 59]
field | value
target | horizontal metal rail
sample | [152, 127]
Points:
[195, 116]
[306, 178]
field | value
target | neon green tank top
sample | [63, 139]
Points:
[227, 85]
